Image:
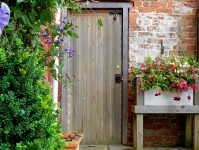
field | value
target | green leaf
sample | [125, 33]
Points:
[100, 23]
[19, 1]
[25, 19]
[73, 34]
[87, 3]
[51, 63]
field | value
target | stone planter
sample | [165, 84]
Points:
[73, 141]
[166, 98]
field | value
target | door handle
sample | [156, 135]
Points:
[118, 78]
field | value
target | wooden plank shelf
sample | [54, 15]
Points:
[191, 112]
[141, 109]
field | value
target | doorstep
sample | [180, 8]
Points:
[105, 147]
[121, 147]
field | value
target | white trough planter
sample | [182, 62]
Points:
[166, 98]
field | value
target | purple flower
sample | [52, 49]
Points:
[60, 29]
[48, 41]
[60, 40]
[4, 15]
[70, 54]
[45, 35]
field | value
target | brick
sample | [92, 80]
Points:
[132, 18]
[189, 41]
[137, 3]
[174, 29]
[191, 47]
[146, 9]
[183, 34]
[170, 3]
[146, 4]
[135, 28]
[188, 28]
[191, 3]
[191, 23]
[155, 22]
[141, 34]
[189, 17]
[191, 35]
[160, 35]
[159, 4]
[164, 10]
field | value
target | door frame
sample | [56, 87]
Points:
[125, 52]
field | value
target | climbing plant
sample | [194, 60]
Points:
[27, 19]
[27, 114]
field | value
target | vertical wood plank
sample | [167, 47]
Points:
[196, 122]
[89, 100]
[105, 82]
[82, 76]
[196, 133]
[188, 131]
[138, 131]
[99, 81]
[125, 43]
[117, 65]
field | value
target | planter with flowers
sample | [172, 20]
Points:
[167, 80]
[73, 141]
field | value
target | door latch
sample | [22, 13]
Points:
[118, 78]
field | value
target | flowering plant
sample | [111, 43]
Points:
[4, 15]
[175, 74]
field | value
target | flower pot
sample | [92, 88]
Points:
[73, 141]
[166, 98]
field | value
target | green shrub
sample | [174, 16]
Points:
[28, 118]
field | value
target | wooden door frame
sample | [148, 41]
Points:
[125, 52]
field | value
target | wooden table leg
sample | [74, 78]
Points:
[138, 131]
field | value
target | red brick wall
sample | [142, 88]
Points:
[173, 22]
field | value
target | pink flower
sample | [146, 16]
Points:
[184, 88]
[183, 82]
[188, 97]
[158, 93]
[192, 70]
[173, 67]
[195, 77]
[177, 98]
[174, 85]
[193, 86]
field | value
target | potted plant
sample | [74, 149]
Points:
[166, 80]
[73, 141]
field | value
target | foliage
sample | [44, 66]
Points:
[27, 19]
[28, 117]
[175, 74]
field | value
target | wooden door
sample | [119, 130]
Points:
[92, 105]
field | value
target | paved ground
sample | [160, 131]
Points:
[104, 147]
[120, 147]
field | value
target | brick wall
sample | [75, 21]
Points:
[174, 23]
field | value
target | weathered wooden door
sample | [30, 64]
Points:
[92, 105]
